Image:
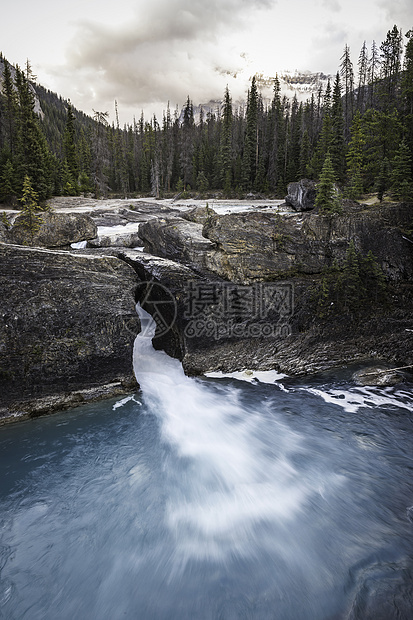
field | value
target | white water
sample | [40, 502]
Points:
[240, 471]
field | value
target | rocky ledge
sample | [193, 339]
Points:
[67, 327]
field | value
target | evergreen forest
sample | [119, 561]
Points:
[356, 135]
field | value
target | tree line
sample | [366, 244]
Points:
[355, 134]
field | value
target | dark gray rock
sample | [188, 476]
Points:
[128, 240]
[200, 215]
[67, 326]
[262, 246]
[301, 195]
[280, 331]
[176, 239]
[56, 230]
[378, 375]
[4, 234]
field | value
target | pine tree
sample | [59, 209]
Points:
[100, 153]
[326, 198]
[347, 73]
[401, 175]
[69, 147]
[391, 51]
[294, 140]
[304, 153]
[363, 66]
[187, 144]
[355, 159]
[30, 218]
[121, 172]
[276, 141]
[407, 87]
[10, 109]
[32, 153]
[8, 189]
[352, 283]
[251, 146]
[382, 182]
[323, 146]
[336, 146]
[226, 144]
[373, 71]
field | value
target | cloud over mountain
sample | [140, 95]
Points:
[172, 49]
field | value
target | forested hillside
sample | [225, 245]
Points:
[357, 133]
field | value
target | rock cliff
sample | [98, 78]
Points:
[260, 246]
[67, 326]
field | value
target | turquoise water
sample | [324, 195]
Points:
[211, 499]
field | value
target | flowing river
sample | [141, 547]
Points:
[212, 499]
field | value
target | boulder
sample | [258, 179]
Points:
[67, 324]
[200, 215]
[301, 195]
[55, 230]
[176, 239]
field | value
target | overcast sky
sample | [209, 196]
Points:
[144, 53]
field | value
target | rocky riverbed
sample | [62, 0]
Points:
[231, 284]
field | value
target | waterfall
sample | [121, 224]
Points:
[239, 460]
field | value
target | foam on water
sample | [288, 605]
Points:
[263, 376]
[354, 399]
[237, 475]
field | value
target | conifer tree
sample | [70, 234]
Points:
[401, 175]
[391, 51]
[304, 153]
[30, 218]
[351, 279]
[363, 66]
[294, 140]
[226, 144]
[187, 143]
[32, 153]
[8, 190]
[407, 87]
[100, 153]
[69, 147]
[336, 145]
[276, 141]
[382, 182]
[251, 147]
[122, 177]
[355, 158]
[10, 109]
[326, 197]
[347, 73]
[373, 71]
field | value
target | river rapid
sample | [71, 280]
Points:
[211, 498]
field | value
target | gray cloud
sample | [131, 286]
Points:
[172, 49]
[397, 12]
[332, 5]
[330, 37]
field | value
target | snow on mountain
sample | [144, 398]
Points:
[303, 84]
